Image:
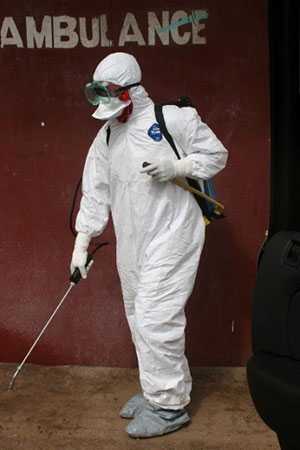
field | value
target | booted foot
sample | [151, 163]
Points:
[133, 406]
[152, 421]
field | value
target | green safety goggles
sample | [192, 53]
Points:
[98, 92]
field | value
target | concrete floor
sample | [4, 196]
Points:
[76, 408]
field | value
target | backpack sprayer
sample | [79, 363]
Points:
[182, 182]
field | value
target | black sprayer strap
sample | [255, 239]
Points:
[193, 183]
[108, 131]
[71, 215]
[162, 124]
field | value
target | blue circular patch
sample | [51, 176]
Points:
[154, 132]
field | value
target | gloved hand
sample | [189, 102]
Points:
[167, 169]
[80, 254]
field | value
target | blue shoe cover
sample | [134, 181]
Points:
[133, 406]
[152, 421]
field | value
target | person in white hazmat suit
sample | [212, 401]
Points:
[159, 230]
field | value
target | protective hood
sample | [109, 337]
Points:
[118, 68]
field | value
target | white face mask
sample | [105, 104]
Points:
[110, 110]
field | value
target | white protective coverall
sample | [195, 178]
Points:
[159, 228]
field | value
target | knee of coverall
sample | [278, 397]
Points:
[161, 327]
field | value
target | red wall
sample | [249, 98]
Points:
[40, 165]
